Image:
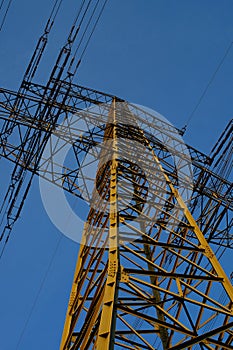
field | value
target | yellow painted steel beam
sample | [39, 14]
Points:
[146, 279]
[208, 252]
[106, 332]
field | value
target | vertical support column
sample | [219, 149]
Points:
[105, 337]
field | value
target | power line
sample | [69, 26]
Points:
[55, 9]
[6, 12]
[79, 12]
[87, 26]
[41, 44]
[94, 27]
[83, 35]
[208, 84]
[90, 35]
[2, 2]
[39, 291]
[17, 181]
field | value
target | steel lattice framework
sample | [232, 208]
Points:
[153, 278]
[148, 274]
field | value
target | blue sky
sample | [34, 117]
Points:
[160, 54]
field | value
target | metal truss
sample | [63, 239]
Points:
[27, 128]
[147, 276]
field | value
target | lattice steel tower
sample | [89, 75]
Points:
[148, 274]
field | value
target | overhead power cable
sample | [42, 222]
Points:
[41, 286]
[84, 14]
[55, 9]
[84, 32]
[94, 27]
[41, 44]
[6, 12]
[16, 193]
[83, 37]
[208, 85]
[2, 2]
[13, 199]
[39, 291]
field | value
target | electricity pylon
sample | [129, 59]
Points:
[153, 281]
[147, 275]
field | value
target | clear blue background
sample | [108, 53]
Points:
[157, 53]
